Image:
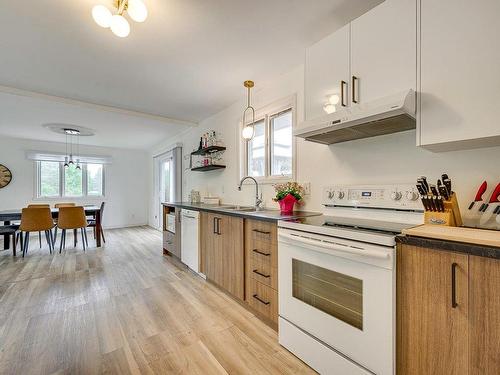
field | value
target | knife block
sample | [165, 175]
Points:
[451, 216]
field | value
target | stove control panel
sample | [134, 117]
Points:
[404, 196]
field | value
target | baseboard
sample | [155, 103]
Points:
[125, 226]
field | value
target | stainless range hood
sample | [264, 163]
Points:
[387, 115]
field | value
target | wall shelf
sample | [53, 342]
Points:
[207, 168]
[208, 150]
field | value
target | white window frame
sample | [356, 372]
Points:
[38, 181]
[266, 113]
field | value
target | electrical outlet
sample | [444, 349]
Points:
[307, 188]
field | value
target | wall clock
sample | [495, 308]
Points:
[5, 176]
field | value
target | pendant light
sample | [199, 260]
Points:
[136, 9]
[248, 129]
[68, 159]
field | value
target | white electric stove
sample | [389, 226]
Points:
[337, 278]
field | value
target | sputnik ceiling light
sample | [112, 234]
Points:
[248, 129]
[117, 22]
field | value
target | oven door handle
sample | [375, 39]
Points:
[325, 245]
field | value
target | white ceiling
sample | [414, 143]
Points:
[186, 62]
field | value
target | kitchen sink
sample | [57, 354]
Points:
[239, 208]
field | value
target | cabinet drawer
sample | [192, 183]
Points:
[260, 269]
[262, 231]
[264, 251]
[263, 299]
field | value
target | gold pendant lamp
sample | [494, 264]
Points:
[248, 129]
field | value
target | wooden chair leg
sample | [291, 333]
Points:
[94, 232]
[75, 237]
[102, 235]
[40, 239]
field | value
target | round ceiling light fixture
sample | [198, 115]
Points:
[66, 129]
[118, 24]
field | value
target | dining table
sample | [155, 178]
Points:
[8, 216]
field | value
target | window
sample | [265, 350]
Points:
[94, 180]
[269, 155]
[55, 181]
[257, 151]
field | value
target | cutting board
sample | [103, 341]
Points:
[457, 234]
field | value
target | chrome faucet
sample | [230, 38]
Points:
[258, 199]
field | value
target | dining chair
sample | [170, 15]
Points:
[59, 205]
[38, 219]
[72, 218]
[93, 222]
[42, 205]
[10, 230]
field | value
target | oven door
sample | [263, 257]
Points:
[342, 293]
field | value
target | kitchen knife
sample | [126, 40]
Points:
[479, 195]
[432, 203]
[497, 210]
[444, 176]
[426, 203]
[421, 189]
[447, 183]
[434, 190]
[444, 192]
[420, 181]
[493, 198]
[425, 183]
[440, 204]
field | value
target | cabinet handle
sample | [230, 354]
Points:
[215, 225]
[454, 303]
[218, 226]
[261, 253]
[260, 300]
[354, 79]
[342, 89]
[261, 274]
[261, 231]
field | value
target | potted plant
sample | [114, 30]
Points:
[287, 195]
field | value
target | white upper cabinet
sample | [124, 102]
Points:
[383, 51]
[460, 74]
[326, 67]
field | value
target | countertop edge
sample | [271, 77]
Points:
[242, 214]
[446, 245]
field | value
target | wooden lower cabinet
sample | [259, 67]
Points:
[241, 256]
[484, 316]
[222, 249]
[263, 299]
[448, 308]
[261, 254]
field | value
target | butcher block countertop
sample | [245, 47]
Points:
[480, 242]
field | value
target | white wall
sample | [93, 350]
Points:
[387, 159]
[127, 180]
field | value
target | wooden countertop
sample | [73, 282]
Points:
[479, 242]
[457, 234]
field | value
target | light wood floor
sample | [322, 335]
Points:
[125, 308]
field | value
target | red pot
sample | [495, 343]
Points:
[287, 203]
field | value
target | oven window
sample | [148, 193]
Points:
[334, 293]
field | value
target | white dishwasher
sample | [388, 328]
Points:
[190, 253]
